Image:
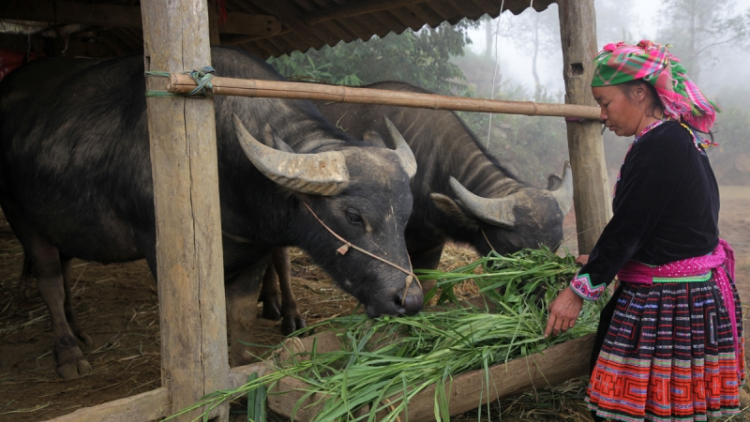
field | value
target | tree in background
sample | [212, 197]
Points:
[539, 33]
[698, 29]
[421, 58]
[614, 22]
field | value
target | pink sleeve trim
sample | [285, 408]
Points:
[581, 285]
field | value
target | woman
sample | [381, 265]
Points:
[669, 344]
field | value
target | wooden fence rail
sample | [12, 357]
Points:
[183, 84]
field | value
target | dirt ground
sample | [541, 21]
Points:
[117, 306]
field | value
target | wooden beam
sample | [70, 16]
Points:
[465, 392]
[111, 15]
[154, 404]
[592, 198]
[148, 406]
[189, 257]
[182, 84]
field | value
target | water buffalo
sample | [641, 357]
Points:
[460, 191]
[75, 182]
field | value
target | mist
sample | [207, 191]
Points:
[717, 65]
[639, 20]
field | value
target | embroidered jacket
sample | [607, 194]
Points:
[666, 208]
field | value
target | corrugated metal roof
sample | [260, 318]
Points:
[285, 25]
[315, 23]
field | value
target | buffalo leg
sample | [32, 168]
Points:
[429, 259]
[293, 321]
[242, 306]
[269, 293]
[47, 265]
[68, 305]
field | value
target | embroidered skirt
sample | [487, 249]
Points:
[668, 355]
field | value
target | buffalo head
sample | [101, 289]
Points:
[527, 218]
[362, 195]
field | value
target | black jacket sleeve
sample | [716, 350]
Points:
[663, 171]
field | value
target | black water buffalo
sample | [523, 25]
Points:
[75, 182]
[460, 191]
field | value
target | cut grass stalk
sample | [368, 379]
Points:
[385, 362]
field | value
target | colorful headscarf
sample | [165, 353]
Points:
[681, 98]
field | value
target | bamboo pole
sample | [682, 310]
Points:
[183, 84]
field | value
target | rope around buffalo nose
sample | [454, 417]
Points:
[410, 276]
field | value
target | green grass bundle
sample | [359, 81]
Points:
[432, 347]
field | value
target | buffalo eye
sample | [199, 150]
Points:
[353, 217]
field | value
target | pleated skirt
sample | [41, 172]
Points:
[667, 353]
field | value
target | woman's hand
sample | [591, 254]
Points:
[563, 312]
[582, 260]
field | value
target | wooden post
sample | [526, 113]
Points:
[592, 199]
[190, 269]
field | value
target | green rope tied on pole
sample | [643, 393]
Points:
[157, 93]
[156, 73]
[202, 78]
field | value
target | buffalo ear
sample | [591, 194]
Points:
[272, 140]
[553, 182]
[454, 211]
[374, 138]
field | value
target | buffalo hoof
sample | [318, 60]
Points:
[71, 363]
[271, 309]
[292, 323]
[74, 370]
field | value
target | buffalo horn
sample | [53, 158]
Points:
[405, 155]
[495, 211]
[318, 174]
[564, 194]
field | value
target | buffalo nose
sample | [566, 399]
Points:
[413, 303]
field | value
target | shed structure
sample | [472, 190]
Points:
[175, 36]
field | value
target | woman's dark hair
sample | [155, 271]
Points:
[626, 87]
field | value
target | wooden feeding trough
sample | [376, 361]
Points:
[465, 392]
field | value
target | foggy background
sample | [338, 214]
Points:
[520, 58]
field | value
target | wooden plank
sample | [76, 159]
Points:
[300, 90]
[124, 16]
[189, 255]
[591, 195]
[153, 404]
[555, 365]
[148, 406]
